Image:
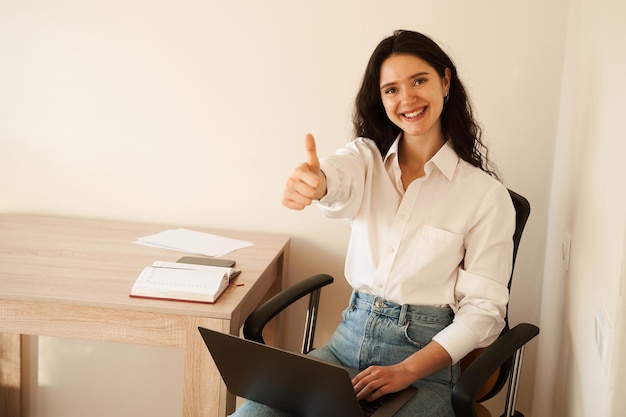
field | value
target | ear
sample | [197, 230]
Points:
[447, 74]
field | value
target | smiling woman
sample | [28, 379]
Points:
[429, 279]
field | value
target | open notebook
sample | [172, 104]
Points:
[187, 282]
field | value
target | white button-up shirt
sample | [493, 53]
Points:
[446, 240]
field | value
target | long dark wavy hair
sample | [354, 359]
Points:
[457, 121]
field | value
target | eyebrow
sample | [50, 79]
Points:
[412, 77]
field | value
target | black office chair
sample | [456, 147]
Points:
[483, 373]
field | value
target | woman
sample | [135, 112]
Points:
[430, 251]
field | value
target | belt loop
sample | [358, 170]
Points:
[402, 316]
[353, 298]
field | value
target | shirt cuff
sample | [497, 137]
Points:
[458, 340]
[332, 182]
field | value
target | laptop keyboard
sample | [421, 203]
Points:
[369, 407]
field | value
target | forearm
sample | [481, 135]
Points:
[426, 361]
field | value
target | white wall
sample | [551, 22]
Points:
[193, 113]
[587, 203]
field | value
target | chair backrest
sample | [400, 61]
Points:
[499, 379]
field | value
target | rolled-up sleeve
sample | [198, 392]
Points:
[481, 290]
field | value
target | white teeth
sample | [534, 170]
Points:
[413, 114]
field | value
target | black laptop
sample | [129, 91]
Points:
[299, 384]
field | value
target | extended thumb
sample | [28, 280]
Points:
[311, 152]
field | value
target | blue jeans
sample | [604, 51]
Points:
[377, 332]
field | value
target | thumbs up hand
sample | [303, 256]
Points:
[307, 182]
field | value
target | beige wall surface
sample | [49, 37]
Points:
[580, 370]
[193, 114]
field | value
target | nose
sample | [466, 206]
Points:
[407, 95]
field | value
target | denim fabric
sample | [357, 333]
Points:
[377, 332]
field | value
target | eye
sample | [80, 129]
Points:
[419, 81]
[390, 90]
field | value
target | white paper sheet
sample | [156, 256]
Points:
[190, 241]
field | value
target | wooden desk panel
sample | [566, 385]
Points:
[70, 278]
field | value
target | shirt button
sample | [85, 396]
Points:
[390, 250]
[379, 285]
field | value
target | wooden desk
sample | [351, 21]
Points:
[70, 278]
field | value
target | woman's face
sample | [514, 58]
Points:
[413, 95]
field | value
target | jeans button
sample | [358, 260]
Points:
[379, 304]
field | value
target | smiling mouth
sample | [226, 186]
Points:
[414, 114]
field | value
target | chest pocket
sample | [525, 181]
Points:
[437, 250]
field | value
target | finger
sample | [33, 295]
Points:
[365, 376]
[311, 152]
[304, 180]
[292, 204]
[363, 384]
[296, 201]
[294, 198]
[369, 392]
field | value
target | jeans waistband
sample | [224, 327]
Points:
[401, 312]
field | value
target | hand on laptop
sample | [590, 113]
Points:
[376, 381]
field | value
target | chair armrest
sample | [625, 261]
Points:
[253, 327]
[472, 379]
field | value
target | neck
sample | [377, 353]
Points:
[413, 153]
[416, 151]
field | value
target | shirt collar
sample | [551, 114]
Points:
[393, 149]
[446, 159]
